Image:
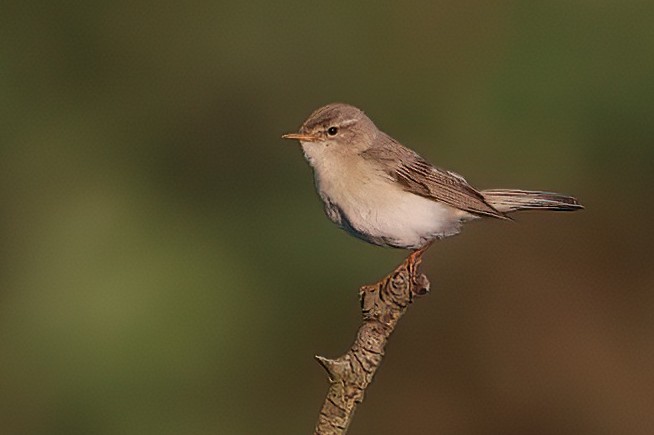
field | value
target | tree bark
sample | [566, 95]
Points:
[382, 306]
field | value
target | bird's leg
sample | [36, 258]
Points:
[416, 255]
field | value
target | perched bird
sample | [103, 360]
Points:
[386, 194]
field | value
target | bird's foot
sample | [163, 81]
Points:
[415, 257]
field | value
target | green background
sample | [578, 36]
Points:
[165, 266]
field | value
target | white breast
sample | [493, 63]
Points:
[373, 207]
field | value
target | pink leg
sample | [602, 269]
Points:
[416, 255]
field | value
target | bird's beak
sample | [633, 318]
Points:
[300, 136]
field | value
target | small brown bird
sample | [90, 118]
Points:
[384, 193]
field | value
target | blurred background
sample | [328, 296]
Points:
[166, 267]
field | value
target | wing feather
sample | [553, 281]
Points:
[418, 176]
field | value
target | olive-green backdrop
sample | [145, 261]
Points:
[165, 266]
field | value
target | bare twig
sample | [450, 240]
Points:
[382, 305]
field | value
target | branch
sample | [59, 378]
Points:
[382, 306]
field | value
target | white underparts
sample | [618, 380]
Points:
[375, 208]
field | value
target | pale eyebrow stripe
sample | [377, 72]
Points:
[348, 122]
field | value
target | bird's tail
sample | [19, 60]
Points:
[510, 200]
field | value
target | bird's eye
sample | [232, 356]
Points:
[332, 131]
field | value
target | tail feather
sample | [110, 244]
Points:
[509, 200]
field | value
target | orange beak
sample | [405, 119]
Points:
[300, 136]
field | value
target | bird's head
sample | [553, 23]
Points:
[338, 128]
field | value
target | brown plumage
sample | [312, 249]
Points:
[382, 192]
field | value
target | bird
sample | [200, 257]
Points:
[386, 194]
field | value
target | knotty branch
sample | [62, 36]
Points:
[382, 306]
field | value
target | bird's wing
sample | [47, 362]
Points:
[421, 178]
